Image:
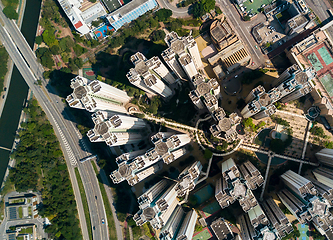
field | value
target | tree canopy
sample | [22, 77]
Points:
[10, 12]
[49, 38]
[163, 14]
[202, 7]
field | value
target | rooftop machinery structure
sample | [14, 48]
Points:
[168, 148]
[147, 75]
[95, 95]
[115, 130]
[182, 56]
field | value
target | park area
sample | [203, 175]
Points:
[256, 5]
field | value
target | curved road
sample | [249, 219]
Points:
[69, 137]
[176, 12]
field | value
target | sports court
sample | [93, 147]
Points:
[101, 32]
[303, 229]
[210, 209]
[204, 194]
[89, 73]
[325, 55]
[203, 235]
[315, 61]
[113, 4]
[327, 81]
[256, 5]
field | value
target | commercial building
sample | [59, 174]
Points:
[182, 56]
[225, 127]
[115, 130]
[95, 95]
[168, 148]
[81, 13]
[232, 54]
[291, 84]
[222, 34]
[325, 157]
[147, 75]
[157, 206]
[188, 179]
[130, 12]
[222, 230]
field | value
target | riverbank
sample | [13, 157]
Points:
[10, 64]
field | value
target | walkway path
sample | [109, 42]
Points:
[289, 113]
[176, 12]
[306, 139]
[270, 156]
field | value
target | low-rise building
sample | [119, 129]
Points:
[222, 230]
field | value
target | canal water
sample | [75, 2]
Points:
[18, 89]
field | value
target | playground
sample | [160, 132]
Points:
[204, 194]
[304, 231]
[101, 32]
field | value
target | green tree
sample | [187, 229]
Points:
[10, 12]
[78, 62]
[55, 49]
[198, 10]
[49, 38]
[163, 14]
[157, 35]
[39, 40]
[208, 5]
[246, 18]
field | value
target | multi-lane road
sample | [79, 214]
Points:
[68, 135]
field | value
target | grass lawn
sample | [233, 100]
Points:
[84, 202]
[203, 235]
[20, 211]
[28, 230]
[111, 225]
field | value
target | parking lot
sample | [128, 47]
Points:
[272, 33]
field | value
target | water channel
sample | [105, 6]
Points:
[18, 89]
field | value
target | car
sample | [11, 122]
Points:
[252, 63]
[103, 221]
[236, 76]
[256, 46]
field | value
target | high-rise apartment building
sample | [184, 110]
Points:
[257, 216]
[187, 227]
[291, 84]
[252, 175]
[168, 148]
[115, 130]
[96, 95]
[323, 190]
[298, 184]
[325, 156]
[188, 179]
[169, 230]
[222, 194]
[277, 218]
[324, 175]
[158, 207]
[147, 75]
[247, 231]
[182, 56]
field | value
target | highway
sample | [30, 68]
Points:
[66, 131]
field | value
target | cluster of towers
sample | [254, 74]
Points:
[160, 207]
[291, 84]
[153, 77]
[309, 198]
[136, 166]
[261, 220]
